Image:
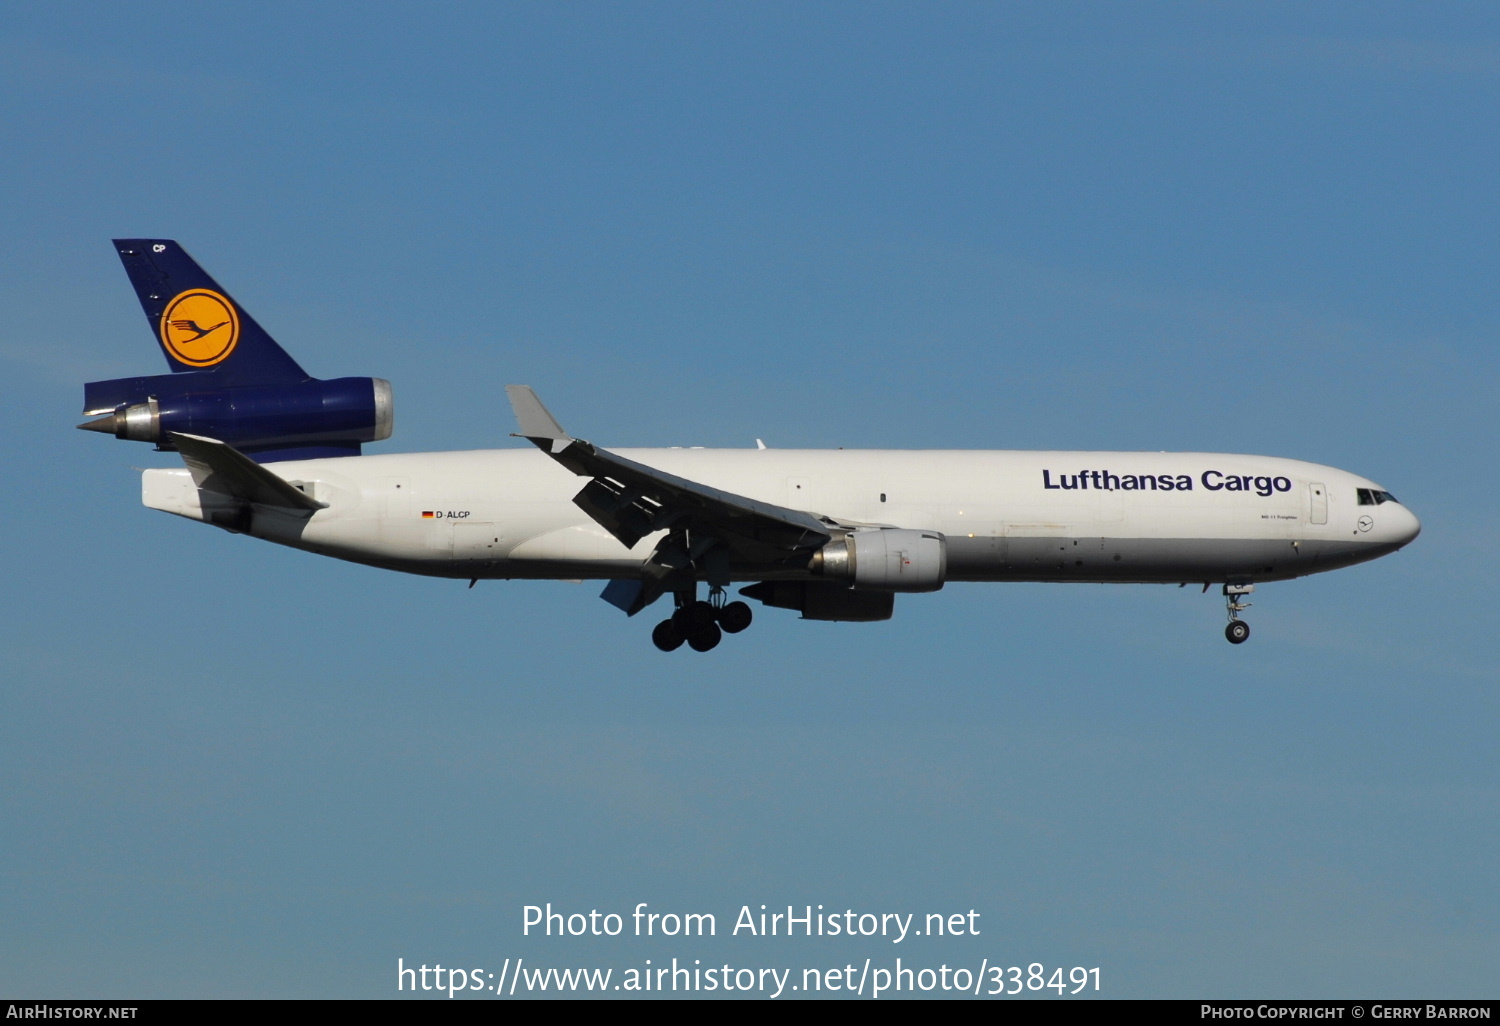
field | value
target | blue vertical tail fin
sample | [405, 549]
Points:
[198, 325]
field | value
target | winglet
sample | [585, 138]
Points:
[535, 422]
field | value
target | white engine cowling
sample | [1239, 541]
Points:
[888, 558]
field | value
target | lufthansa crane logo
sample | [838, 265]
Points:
[200, 328]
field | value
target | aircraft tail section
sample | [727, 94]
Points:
[230, 380]
[198, 325]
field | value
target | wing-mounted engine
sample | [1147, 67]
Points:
[885, 559]
[824, 600]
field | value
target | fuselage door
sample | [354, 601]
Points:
[1319, 503]
[395, 495]
[475, 540]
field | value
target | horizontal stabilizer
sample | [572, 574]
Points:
[218, 467]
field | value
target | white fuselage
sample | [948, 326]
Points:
[1007, 516]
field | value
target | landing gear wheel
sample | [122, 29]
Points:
[1237, 632]
[694, 617]
[735, 617]
[667, 637]
[705, 638]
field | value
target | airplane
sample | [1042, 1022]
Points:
[271, 452]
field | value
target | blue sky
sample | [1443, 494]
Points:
[232, 769]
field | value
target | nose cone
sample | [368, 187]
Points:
[1407, 527]
[1396, 525]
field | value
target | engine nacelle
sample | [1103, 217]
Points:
[824, 600]
[887, 558]
[338, 414]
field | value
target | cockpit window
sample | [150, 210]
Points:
[1373, 496]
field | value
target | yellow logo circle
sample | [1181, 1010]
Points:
[200, 328]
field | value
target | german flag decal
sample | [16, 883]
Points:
[428, 514]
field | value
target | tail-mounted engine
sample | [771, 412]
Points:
[230, 380]
[338, 414]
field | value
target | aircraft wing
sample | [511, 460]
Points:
[631, 500]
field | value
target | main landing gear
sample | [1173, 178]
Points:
[1237, 630]
[702, 625]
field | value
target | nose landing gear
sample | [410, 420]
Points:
[1237, 630]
